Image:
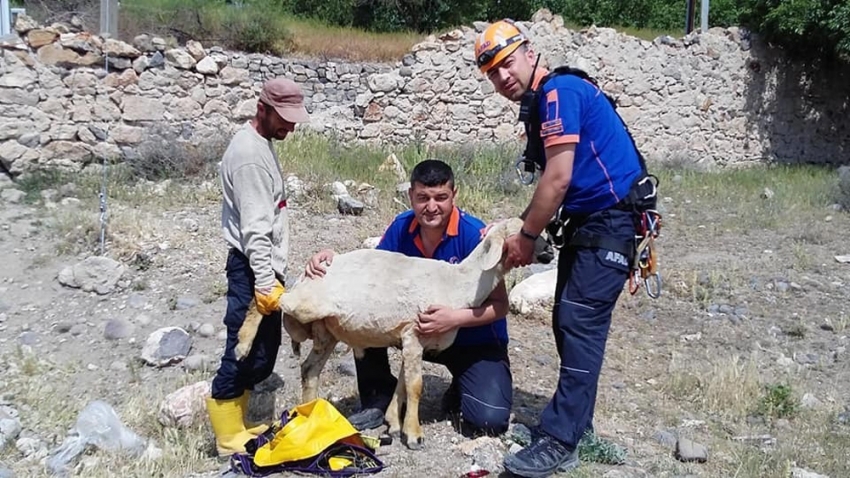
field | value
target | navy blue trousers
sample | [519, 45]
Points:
[234, 377]
[589, 284]
[481, 374]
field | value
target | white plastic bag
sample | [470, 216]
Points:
[97, 425]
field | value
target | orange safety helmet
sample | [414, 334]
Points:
[496, 43]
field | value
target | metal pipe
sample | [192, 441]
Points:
[5, 18]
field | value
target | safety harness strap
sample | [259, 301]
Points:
[361, 459]
[594, 241]
[640, 201]
[534, 156]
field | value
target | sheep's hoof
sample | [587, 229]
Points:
[416, 444]
[395, 434]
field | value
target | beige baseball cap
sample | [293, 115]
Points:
[286, 98]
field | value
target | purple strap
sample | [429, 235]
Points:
[244, 462]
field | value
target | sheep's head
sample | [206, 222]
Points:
[494, 242]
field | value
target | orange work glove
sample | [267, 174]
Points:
[268, 299]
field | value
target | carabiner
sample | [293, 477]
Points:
[654, 184]
[524, 166]
[640, 250]
[653, 291]
[634, 284]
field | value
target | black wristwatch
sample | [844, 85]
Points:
[524, 233]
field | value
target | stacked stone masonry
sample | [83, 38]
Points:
[69, 98]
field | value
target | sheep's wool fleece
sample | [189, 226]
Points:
[254, 217]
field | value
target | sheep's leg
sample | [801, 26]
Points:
[297, 332]
[393, 415]
[412, 363]
[323, 345]
[248, 331]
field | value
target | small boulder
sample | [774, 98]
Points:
[797, 472]
[687, 450]
[181, 407]
[348, 205]
[117, 329]
[194, 48]
[10, 425]
[184, 303]
[535, 293]
[94, 274]
[371, 242]
[166, 346]
[24, 23]
[206, 330]
[12, 196]
[207, 66]
[180, 58]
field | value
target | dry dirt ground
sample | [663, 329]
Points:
[745, 309]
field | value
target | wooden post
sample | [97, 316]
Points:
[690, 6]
[109, 18]
[5, 18]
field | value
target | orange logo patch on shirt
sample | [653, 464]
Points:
[549, 128]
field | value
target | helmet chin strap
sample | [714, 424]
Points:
[526, 167]
[534, 70]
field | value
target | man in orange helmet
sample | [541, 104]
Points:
[594, 182]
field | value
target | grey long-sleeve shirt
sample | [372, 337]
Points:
[254, 218]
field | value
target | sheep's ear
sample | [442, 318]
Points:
[495, 245]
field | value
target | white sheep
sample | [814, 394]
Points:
[371, 298]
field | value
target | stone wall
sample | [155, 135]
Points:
[68, 98]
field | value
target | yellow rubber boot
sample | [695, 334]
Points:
[255, 429]
[228, 427]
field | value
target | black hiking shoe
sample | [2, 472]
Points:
[543, 457]
[367, 419]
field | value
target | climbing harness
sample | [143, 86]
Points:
[645, 266]
[641, 200]
[311, 438]
[338, 460]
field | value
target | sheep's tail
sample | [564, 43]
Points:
[248, 331]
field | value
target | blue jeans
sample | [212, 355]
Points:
[233, 376]
[481, 374]
[589, 284]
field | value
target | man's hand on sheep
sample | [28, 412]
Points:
[435, 320]
[315, 269]
[520, 251]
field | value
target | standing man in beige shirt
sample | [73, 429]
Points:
[254, 220]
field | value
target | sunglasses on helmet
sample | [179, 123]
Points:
[487, 56]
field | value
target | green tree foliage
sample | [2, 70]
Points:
[248, 25]
[806, 28]
[811, 29]
[801, 26]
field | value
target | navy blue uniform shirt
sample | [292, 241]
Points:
[462, 236]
